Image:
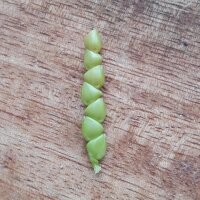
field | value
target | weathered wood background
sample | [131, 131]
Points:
[152, 61]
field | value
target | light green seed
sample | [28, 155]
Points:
[91, 59]
[95, 76]
[97, 147]
[91, 128]
[89, 93]
[96, 150]
[92, 41]
[96, 110]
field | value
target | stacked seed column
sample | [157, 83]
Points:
[91, 96]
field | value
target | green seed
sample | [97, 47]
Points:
[89, 93]
[96, 110]
[96, 149]
[95, 76]
[91, 59]
[91, 128]
[92, 41]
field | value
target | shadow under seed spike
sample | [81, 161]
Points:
[91, 96]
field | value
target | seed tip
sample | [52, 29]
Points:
[97, 169]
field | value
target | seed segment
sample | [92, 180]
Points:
[91, 128]
[89, 93]
[92, 41]
[91, 59]
[91, 96]
[95, 76]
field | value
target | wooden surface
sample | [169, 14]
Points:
[151, 57]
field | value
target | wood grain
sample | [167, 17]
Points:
[152, 61]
